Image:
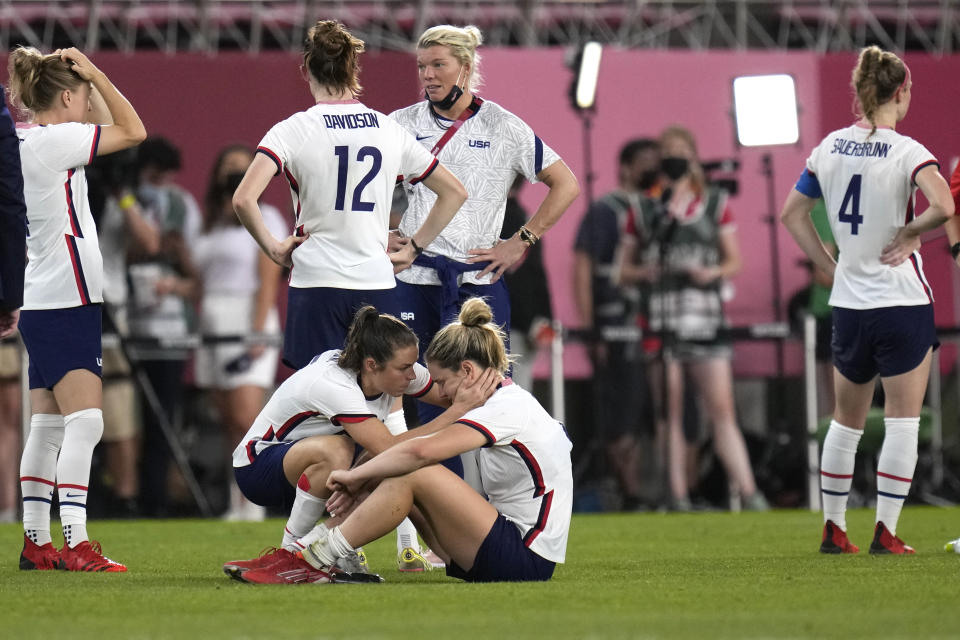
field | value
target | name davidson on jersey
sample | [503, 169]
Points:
[351, 121]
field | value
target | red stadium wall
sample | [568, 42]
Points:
[202, 102]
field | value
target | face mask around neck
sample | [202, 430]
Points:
[451, 98]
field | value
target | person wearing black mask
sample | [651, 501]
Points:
[688, 248]
[618, 369]
[240, 285]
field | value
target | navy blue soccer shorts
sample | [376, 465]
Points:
[318, 319]
[502, 557]
[888, 341]
[61, 340]
[263, 481]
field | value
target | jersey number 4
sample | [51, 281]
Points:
[852, 199]
[343, 162]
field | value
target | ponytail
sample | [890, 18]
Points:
[374, 335]
[36, 80]
[473, 336]
[876, 79]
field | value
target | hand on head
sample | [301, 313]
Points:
[79, 62]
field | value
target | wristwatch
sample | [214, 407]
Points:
[955, 250]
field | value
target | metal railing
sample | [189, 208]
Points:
[253, 25]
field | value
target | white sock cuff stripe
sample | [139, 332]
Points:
[847, 432]
[84, 413]
[309, 497]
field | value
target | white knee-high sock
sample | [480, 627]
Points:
[836, 471]
[82, 431]
[898, 460]
[307, 509]
[38, 473]
[406, 532]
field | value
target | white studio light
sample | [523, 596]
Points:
[765, 109]
[586, 91]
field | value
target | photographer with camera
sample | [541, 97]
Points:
[688, 248]
[619, 381]
[125, 232]
[164, 284]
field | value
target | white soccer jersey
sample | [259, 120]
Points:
[525, 468]
[868, 184]
[316, 401]
[486, 154]
[65, 268]
[342, 161]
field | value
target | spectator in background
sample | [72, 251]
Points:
[163, 288]
[619, 384]
[13, 257]
[240, 285]
[124, 231]
[530, 306]
[688, 248]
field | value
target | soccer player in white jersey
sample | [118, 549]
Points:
[485, 146]
[883, 321]
[517, 533]
[76, 114]
[311, 424]
[341, 160]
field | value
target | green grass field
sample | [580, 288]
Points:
[715, 575]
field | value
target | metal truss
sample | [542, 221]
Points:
[252, 25]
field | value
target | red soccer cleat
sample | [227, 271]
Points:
[267, 557]
[87, 556]
[835, 540]
[291, 569]
[39, 557]
[885, 542]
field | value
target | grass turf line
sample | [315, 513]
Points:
[627, 576]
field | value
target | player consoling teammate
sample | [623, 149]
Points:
[518, 532]
[883, 323]
[319, 415]
[71, 102]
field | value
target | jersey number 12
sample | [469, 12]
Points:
[343, 159]
[852, 198]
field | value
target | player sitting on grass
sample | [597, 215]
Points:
[316, 418]
[519, 533]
